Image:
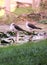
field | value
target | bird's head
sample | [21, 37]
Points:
[27, 23]
[12, 26]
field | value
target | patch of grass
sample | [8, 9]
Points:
[31, 53]
[25, 10]
[43, 21]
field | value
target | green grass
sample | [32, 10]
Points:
[25, 10]
[32, 53]
[43, 21]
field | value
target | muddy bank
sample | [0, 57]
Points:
[4, 28]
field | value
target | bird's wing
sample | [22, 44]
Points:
[31, 25]
[18, 28]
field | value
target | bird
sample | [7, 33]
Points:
[18, 28]
[13, 26]
[31, 26]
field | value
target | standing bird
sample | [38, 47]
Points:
[15, 27]
[31, 26]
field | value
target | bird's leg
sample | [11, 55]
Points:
[17, 36]
[30, 37]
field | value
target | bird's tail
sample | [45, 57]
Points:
[38, 28]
